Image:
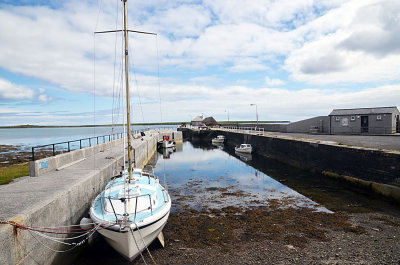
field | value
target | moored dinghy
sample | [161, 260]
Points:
[244, 148]
[220, 139]
[166, 144]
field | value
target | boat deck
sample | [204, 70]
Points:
[143, 196]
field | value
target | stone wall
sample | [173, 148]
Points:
[374, 169]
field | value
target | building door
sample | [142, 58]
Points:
[364, 124]
[397, 123]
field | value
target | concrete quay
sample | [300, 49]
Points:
[60, 192]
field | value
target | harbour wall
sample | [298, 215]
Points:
[60, 194]
[375, 170]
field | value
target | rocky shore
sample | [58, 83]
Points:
[18, 154]
[13, 154]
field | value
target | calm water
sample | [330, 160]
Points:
[201, 176]
[198, 174]
[42, 136]
[209, 177]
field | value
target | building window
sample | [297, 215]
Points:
[337, 118]
[345, 122]
[353, 118]
[378, 117]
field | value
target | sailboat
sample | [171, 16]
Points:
[134, 207]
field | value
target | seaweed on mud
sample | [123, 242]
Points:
[386, 220]
[294, 226]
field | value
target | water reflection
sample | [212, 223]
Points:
[244, 157]
[219, 145]
[167, 152]
[203, 176]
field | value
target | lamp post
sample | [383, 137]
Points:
[256, 112]
[228, 113]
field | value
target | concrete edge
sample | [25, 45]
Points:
[44, 165]
[385, 190]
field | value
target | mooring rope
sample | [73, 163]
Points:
[144, 243]
[137, 246]
[41, 231]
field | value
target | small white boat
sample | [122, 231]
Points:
[244, 148]
[220, 139]
[166, 144]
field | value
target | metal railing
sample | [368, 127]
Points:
[87, 142]
[249, 130]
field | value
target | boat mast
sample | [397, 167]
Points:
[128, 104]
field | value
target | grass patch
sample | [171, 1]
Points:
[7, 174]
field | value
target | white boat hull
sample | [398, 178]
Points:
[220, 139]
[244, 150]
[124, 242]
[167, 144]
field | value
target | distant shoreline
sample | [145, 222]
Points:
[83, 126]
[25, 126]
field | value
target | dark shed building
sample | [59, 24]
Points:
[382, 120]
[210, 121]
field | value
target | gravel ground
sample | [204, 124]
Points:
[367, 238]
[380, 244]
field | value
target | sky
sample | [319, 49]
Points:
[281, 59]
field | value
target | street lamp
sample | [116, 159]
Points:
[256, 112]
[228, 113]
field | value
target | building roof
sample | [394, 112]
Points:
[364, 111]
[198, 118]
[210, 121]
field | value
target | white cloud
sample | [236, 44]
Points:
[317, 37]
[322, 42]
[283, 14]
[376, 30]
[9, 90]
[362, 45]
[273, 103]
[182, 21]
[274, 81]
[44, 98]
[205, 79]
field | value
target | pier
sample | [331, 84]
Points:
[60, 192]
[362, 164]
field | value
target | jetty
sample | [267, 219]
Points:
[59, 192]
